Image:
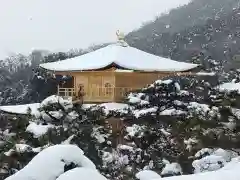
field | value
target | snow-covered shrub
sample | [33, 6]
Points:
[82, 173]
[171, 169]
[52, 162]
[212, 159]
[147, 174]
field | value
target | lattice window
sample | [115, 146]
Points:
[108, 88]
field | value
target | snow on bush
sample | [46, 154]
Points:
[81, 174]
[212, 159]
[134, 131]
[23, 148]
[56, 108]
[229, 87]
[22, 109]
[66, 103]
[51, 163]
[204, 152]
[147, 174]
[117, 107]
[38, 130]
[144, 112]
[137, 98]
[172, 112]
[208, 163]
[171, 169]
[232, 173]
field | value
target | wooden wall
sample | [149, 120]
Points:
[135, 80]
[94, 83]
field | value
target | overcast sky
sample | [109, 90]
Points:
[64, 24]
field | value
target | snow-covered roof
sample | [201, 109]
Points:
[124, 56]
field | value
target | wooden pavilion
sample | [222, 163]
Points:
[105, 75]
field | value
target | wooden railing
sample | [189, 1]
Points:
[97, 92]
[66, 92]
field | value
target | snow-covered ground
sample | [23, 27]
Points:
[229, 87]
[21, 109]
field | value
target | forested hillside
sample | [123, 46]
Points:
[204, 28]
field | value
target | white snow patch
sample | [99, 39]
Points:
[101, 138]
[172, 169]
[236, 112]
[147, 174]
[66, 103]
[38, 130]
[22, 109]
[206, 74]
[81, 174]
[107, 158]
[172, 112]
[208, 163]
[229, 87]
[68, 140]
[125, 147]
[142, 112]
[49, 163]
[124, 70]
[165, 132]
[203, 152]
[199, 108]
[107, 107]
[168, 81]
[21, 148]
[135, 98]
[190, 142]
[87, 106]
[133, 130]
[231, 173]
